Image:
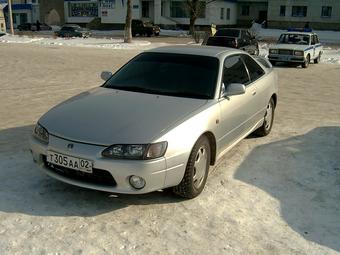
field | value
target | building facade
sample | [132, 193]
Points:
[321, 14]
[169, 12]
[52, 12]
[24, 11]
[251, 10]
[2, 17]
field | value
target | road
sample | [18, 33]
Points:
[273, 195]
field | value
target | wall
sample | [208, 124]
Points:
[46, 8]
[70, 19]
[313, 14]
[254, 9]
[118, 13]
[2, 21]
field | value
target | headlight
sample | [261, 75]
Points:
[298, 53]
[40, 133]
[135, 151]
[273, 51]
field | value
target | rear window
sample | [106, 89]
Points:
[228, 32]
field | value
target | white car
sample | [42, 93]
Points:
[296, 47]
[158, 122]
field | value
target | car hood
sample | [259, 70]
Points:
[105, 116]
[289, 47]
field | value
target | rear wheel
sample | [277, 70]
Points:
[196, 171]
[317, 60]
[267, 121]
[306, 63]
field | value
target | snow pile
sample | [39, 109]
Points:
[18, 39]
[331, 56]
[108, 43]
[177, 33]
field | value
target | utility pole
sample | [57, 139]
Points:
[10, 16]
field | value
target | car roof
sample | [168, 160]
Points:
[209, 51]
[234, 28]
[299, 33]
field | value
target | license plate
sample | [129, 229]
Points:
[79, 164]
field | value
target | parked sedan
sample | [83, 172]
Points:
[160, 121]
[33, 27]
[71, 30]
[296, 47]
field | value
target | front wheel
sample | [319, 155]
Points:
[196, 171]
[268, 120]
[306, 63]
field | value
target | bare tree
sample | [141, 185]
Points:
[195, 9]
[128, 34]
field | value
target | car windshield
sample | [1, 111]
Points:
[180, 75]
[294, 39]
[228, 32]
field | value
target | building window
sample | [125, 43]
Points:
[245, 10]
[222, 13]
[299, 11]
[228, 13]
[83, 9]
[326, 11]
[145, 9]
[282, 10]
[108, 4]
[179, 9]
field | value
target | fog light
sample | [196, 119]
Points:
[137, 182]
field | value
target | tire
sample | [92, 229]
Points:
[157, 34]
[196, 171]
[307, 61]
[317, 60]
[257, 51]
[265, 129]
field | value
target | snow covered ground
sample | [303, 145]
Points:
[274, 195]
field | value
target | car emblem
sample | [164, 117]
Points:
[70, 146]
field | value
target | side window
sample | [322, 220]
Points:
[316, 39]
[254, 69]
[234, 71]
[313, 40]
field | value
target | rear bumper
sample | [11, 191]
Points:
[110, 175]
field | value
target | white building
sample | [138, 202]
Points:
[161, 12]
[24, 11]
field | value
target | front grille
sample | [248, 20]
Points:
[286, 52]
[98, 176]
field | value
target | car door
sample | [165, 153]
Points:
[260, 91]
[318, 46]
[235, 111]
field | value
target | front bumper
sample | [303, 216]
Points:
[109, 175]
[286, 58]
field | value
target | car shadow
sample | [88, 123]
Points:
[303, 173]
[26, 189]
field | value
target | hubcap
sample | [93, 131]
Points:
[268, 117]
[200, 167]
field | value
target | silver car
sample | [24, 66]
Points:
[160, 121]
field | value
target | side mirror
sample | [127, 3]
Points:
[106, 75]
[234, 89]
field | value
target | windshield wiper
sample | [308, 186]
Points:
[135, 89]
